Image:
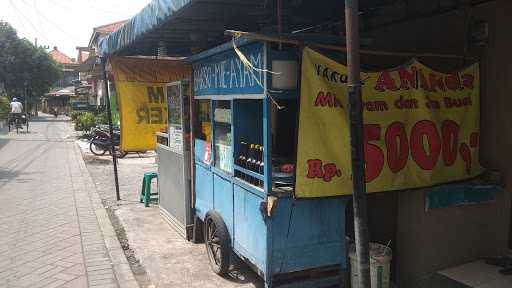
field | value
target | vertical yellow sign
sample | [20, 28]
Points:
[141, 84]
[323, 168]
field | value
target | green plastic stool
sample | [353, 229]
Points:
[145, 194]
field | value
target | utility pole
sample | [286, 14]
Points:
[357, 144]
[111, 129]
[25, 97]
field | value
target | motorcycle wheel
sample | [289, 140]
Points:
[96, 150]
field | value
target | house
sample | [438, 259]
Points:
[59, 96]
[91, 85]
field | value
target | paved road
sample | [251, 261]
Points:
[50, 235]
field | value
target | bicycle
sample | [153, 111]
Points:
[18, 120]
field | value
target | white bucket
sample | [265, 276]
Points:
[380, 259]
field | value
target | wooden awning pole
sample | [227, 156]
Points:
[110, 126]
[357, 143]
[284, 39]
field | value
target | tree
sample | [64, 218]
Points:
[26, 70]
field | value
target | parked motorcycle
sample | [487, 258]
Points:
[101, 142]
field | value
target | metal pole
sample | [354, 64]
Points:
[111, 129]
[357, 143]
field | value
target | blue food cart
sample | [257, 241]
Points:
[241, 110]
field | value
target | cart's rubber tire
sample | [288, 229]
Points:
[218, 243]
[98, 152]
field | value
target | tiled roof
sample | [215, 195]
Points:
[109, 28]
[60, 57]
[83, 56]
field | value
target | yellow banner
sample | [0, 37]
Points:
[421, 127]
[140, 85]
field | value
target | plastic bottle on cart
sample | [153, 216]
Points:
[256, 163]
[248, 162]
[261, 165]
[240, 161]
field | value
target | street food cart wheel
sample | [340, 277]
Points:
[218, 244]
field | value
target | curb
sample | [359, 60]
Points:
[120, 264]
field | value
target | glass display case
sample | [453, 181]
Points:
[222, 133]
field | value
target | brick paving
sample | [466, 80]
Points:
[50, 234]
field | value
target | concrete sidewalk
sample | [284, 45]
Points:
[54, 231]
[167, 259]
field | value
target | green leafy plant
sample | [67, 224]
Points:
[102, 118]
[5, 107]
[74, 115]
[85, 121]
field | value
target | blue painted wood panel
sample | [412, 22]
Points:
[308, 233]
[223, 200]
[250, 227]
[225, 74]
[204, 191]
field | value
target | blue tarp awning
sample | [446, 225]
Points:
[184, 27]
[152, 16]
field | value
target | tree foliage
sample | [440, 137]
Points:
[5, 107]
[24, 68]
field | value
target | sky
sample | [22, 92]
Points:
[65, 23]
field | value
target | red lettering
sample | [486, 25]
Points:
[465, 153]
[452, 81]
[473, 139]
[315, 169]
[402, 103]
[450, 132]
[331, 171]
[375, 106]
[408, 79]
[468, 80]
[397, 146]
[327, 99]
[374, 157]
[436, 81]
[325, 172]
[426, 160]
[423, 81]
[322, 99]
[385, 82]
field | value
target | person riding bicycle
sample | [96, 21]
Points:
[16, 109]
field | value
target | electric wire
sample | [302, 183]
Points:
[58, 27]
[38, 32]
[17, 12]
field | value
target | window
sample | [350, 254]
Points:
[223, 139]
[174, 104]
[174, 118]
[203, 123]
